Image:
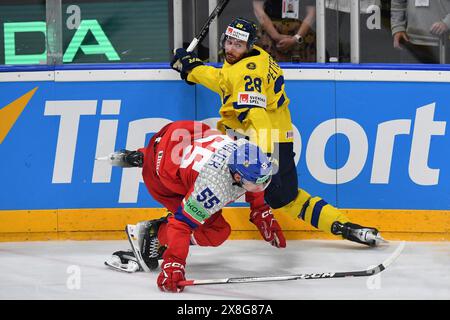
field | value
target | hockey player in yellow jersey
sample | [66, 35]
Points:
[255, 105]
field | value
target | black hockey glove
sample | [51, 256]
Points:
[183, 62]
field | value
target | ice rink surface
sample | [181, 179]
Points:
[72, 270]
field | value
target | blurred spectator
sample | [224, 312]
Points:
[419, 28]
[283, 33]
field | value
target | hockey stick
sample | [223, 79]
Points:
[201, 35]
[302, 276]
[205, 28]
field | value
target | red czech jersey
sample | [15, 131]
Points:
[189, 174]
[185, 170]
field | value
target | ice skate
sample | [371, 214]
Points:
[357, 233]
[124, 159]
[124, 261]
[143, 239]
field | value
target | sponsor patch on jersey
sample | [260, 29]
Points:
[238, 34]
[252, 98]
[195, 210]
[251, 66]
[289, 134]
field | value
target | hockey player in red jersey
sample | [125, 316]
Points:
[194, 172]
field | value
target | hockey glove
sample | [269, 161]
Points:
[268, 226]
[171, 273]
[183, 62]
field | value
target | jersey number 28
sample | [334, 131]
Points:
[252, 84]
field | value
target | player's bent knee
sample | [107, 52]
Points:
[217, 241]
[213, 236]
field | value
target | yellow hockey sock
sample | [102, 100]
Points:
[313, 210]
[294, 207]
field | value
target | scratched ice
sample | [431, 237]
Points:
[72, 270]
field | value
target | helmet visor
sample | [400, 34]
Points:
[260, 185]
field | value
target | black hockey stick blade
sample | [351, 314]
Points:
[304, 276]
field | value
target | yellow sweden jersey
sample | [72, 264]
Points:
[254, 103]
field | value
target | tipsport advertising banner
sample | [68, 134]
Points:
[48, 154]
[374, 145]
[377, 145]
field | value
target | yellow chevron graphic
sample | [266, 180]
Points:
[10, 113]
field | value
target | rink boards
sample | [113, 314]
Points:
[371, 140]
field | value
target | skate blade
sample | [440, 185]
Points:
[379, 239]
[115, 160]
[129, 268]
[382, 240]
